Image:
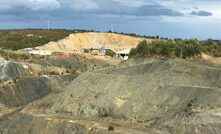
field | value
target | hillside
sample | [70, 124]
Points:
[19, 39]
[187, 48]
[139, 96]
[25, 38]
[164, 88]
[23, 82]
[93, 40]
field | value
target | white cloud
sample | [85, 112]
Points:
[155, 15]
[134, 3]
[188, 6]
[142, 9]
[83, 5]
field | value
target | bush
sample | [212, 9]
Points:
[11, 55]
[178, 51]
[211, 47]
[177, 48]
[143, 48]
[110, 52]
[133, 52]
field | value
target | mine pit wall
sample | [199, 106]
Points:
[27, 89]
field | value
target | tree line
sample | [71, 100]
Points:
[138, 35]
[187, 48]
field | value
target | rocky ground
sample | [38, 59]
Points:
[22, 82]
[138, 96]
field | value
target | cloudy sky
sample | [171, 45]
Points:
[168, 18]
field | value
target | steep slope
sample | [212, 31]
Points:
[93, 40]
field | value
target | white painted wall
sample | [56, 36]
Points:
[126, 57]
[40, 52]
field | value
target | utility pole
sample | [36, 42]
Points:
[49, 25]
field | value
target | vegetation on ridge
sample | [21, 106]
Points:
[11, 55]
[177, 48]
[19, 39]
[25, 38]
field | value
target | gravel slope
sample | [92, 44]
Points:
[156, 96]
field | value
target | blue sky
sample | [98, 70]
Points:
[168, 18]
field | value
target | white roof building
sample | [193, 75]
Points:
[124, 54]
[125, 51]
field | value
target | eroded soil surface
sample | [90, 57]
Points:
[138, 96]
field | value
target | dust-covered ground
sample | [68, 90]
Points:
[138, 96]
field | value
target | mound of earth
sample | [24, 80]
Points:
[156, 87]
[52, 65]
[146, 96]
[93, 40]
[19, 92]
[10, 70]
[24, 82]
[77, 63]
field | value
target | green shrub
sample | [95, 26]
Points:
[165, 50]
[110, 52]
[133, 52]
[143, 48]
[178, 51]
[11, 55]
[177, 48]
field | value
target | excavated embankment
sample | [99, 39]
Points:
[80, 41]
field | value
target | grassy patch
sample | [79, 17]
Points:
[11, 55]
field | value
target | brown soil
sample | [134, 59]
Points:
[93, 40]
